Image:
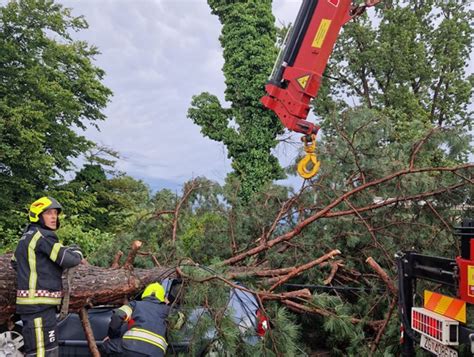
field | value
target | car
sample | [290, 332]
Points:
[243, 308]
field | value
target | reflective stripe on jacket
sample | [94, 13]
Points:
[143, 335]
[39, 261]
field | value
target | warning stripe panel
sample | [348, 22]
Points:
[445, 305]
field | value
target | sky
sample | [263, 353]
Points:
[157, 54]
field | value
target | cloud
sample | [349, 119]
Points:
[157, 55]
[286, 10]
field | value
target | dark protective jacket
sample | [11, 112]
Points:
[146, 326]
[39, 261]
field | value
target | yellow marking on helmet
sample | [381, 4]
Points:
[155, 289]
[38, 207]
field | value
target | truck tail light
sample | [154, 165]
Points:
[438, 327]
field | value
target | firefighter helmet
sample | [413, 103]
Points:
[41, 205]
[154, 289]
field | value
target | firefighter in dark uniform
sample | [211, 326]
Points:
[146, 326]
[39, 261]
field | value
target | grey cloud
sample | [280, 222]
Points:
[157, 54]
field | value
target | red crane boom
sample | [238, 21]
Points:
[298, 72]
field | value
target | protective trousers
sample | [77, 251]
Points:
[40, 333]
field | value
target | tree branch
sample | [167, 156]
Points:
[264, 295]
[116, 261]
[304, 267]
[371, 232]
[312, 310]
[325, 212]
[88, 332]
[419, 145]
[194, 186]
[384, 325]
[392, 201]
[383, 275]
[136, 245]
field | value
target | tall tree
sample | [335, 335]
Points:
[246, 128]
[49, 88]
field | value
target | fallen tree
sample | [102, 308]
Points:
[91, 285]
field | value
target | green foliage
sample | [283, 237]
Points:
[206, 307]
[282, 338]
[405, 69]
[204, 237]
[409, 62]
[89, 241]
[343, 337]
[246, 129]
[49, 88]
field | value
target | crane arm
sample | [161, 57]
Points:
[297, 75]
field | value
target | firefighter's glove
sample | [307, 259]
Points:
[178, 324]
[76, 249]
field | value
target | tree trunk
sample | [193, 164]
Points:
[91, 285]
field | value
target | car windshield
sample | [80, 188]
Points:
[244, 307]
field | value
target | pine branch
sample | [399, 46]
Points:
[194, 186]
[326, 211]
[383, 275]
[381, 331]
[375, 325]
[302, 268]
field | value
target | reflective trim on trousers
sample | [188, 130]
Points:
[40, 352]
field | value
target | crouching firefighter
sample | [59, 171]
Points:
[39, 260]
[146, 326]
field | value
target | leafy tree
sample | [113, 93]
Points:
[49, 88]
[409, 62]
[246, 128]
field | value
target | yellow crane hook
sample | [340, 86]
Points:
[309, 159]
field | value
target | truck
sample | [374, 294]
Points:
[437, 320]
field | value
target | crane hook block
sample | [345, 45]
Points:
[310, 159]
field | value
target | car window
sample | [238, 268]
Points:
[244, 306]
[173, 290]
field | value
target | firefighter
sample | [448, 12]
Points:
[39, 260]
[146, 326]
